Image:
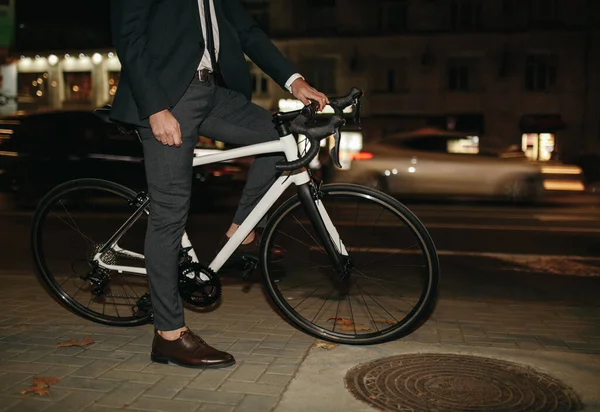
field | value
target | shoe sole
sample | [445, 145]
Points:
[166, 361]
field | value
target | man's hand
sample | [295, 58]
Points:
[165, 128]
[303, 91]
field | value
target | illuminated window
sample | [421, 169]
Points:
[33, 88]
[78, 87]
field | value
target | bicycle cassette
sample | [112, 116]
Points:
[198, 285]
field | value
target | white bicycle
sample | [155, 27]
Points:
[358, 268]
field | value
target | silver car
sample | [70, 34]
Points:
[449, 164]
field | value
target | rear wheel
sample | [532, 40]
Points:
[393, 280]
[70, 225]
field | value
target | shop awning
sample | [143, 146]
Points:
[541, 123]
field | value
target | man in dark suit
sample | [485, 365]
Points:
[184, 74]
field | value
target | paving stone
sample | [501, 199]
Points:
[101, 385]
[206, 396]
[274, 379]
[283, 366]
[33, 353]
[74, 402]
[254, 403]
[136, 362]
[105, 354]
[243, 346]
[254, 358]
[211, 407]
[63, 360]
[161, 369]
[60, 371]
[129, 376]
[251, 388]
[28, 405]
[287, 353]
[125, 394]
[6, 402]
[210, 379]
[9, 380]
[23, 367]
[167, 387]
[113, 342]
[248, 372]
[95, 368]
[163, 405]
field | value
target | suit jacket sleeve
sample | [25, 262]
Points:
[257, 45]
[129, 21]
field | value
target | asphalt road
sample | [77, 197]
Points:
[566, 227]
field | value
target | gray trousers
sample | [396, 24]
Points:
[219, 114]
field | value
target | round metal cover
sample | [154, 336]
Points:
[453, 383]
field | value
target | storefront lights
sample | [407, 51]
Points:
[53, 59]
[97, 58]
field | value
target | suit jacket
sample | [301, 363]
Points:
[160, 45]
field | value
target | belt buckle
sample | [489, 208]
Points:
[203, 75]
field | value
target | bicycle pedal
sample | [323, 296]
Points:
[250, 264]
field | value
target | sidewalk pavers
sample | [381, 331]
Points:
[115, 373]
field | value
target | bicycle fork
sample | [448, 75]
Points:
[310, 199]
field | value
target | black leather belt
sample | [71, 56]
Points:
[203, 75]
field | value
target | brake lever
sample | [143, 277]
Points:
[335, 151]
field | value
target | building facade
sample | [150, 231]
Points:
[513, 72]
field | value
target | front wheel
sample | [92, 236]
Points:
[394, 267]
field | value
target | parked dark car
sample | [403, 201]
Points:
[40, 150]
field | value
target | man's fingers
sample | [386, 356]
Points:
[304, 100]
[320, 98]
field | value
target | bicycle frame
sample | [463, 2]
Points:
[286, 145]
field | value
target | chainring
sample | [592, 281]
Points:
[199, 285]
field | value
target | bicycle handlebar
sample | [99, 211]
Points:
[303, 124]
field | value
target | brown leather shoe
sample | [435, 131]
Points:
[190, 350]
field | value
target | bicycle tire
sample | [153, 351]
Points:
[416, 315]
[38, 256]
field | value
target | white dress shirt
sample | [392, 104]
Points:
[205, 62]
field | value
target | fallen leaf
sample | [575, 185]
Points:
[387, 322]
[341, 321]
[346, 328]
[326, 345]
[74, 342]
[40, 386]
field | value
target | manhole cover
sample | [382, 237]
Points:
[449, 383]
